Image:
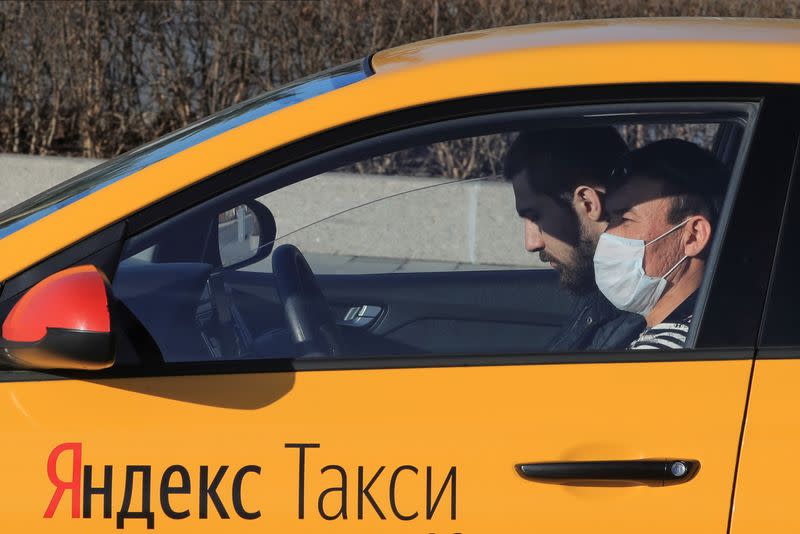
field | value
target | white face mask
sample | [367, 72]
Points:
[619, 273]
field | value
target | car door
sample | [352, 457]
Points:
[435, 440]
[765, 493]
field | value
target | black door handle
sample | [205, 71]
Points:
[659, 472]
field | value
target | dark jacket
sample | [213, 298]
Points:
[597, 325]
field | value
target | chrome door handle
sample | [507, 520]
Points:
[360, 316]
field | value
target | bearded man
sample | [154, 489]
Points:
[560, 179]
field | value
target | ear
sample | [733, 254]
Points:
[696, 236]
[588, 202]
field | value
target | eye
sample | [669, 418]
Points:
[625, 215]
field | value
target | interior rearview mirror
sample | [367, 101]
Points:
[63, 322]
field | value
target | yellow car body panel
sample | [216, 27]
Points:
[558, 56]
[482, 420]
[766, 483]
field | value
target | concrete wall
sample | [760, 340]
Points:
[22, 177]
[424, 219]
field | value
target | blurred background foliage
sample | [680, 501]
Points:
[94, 79]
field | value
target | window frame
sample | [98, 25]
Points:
[667, 112]
[771, 153]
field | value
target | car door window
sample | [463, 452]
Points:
[482, 237]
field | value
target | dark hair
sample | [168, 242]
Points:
[556, 161]
[691, 174]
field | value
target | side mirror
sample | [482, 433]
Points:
[63, 322]
[246, 234]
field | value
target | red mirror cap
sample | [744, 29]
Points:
[72, 299]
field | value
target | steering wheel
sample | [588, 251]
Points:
[310, 321]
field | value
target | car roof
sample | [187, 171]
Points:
[588, 33]
[529, 57]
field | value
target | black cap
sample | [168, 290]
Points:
[682, 164]
[684, 167]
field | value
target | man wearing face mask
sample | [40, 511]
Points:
[560, 178]
[663, 210]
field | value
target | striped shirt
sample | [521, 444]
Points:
[671, 333]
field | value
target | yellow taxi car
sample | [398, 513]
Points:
[314, 311]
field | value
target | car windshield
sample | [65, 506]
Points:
[99, 177]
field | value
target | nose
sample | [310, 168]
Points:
[533, 236]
